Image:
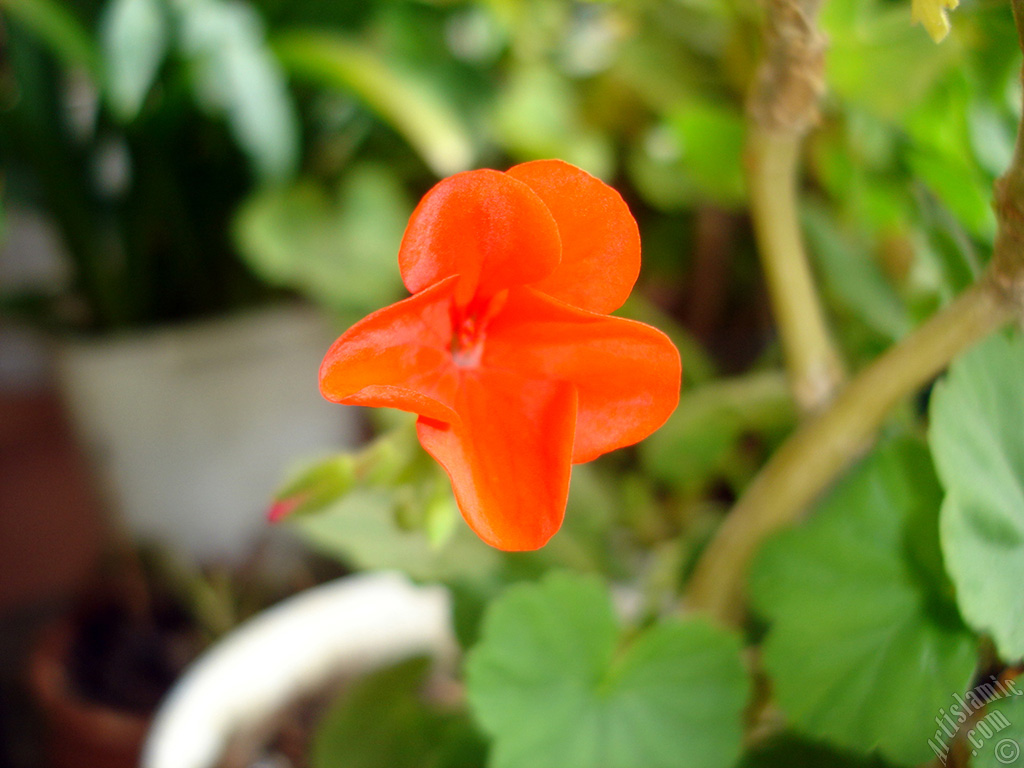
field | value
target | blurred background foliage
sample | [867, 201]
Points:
[202, 155]
[184, 147]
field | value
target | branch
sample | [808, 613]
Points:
[782, 108]
[823, 447]
[819, 450]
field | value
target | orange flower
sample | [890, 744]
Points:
[505, 349]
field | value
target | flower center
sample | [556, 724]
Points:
[467, 341]
[469, 328]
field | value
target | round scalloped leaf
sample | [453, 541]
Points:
[865, 644]
[553, 684]
[977, 436]
[997, 739]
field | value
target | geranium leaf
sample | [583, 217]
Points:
[996, 740]
[865, 645]
[389, 719]
[553, 685]
[977, 436]
[786, 751]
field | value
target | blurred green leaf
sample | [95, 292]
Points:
[341, 252]
[946, 261]
[60, 29]
[553, 685]
[853, 277]
[957, 183]
[711, 137]
[941, 155]
[858, 163]
[387, 719]
[868, 38]
[1004, 720]
[377, 509]
[320, 484]
[135, 36]
[236, 73]
[865, 645]
[698, 438]
[537, 116]
[425, 121]
[992, 136]
[692, 157]
[360, 530]
[977, 435]
[788, 751]
[676, 51]
[656, 169]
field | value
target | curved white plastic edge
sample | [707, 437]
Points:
[357, 622]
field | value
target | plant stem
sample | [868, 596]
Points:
[820, 449]
[815, 370]
[783, 106]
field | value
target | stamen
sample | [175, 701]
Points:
[467, 342]
[469, 327]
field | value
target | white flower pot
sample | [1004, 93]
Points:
[349, 626]
[192, 427]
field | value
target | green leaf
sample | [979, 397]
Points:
[378, 509]
[60, 29]
[958, 184]
[711, 138]
[997, 739]
[387, 719]
[854, 277]
[977, 436]
[865, 645]
[866, 38]
[361, 530]
[552, 684]
[703, 432]
[426, 122]
[537, 116]
[941, 154]
[991, 136]
[787, 751]
[692, 157]
[340, 250]
[237, 74]
[134, 35]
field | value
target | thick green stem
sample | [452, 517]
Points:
[824, 446]
[814, 367]
[782, 108]
[819, 450]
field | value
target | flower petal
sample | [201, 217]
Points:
[508, 455]
[484, 226]
[600, 239]
[627, 374]
[398, 357]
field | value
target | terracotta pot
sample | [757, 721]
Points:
[79, 733]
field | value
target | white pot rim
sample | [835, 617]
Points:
[357, 622]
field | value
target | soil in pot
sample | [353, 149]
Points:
[402, 716]
[98, 674]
